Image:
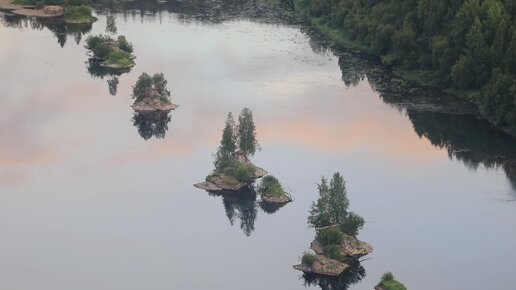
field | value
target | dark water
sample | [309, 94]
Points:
[93, 196]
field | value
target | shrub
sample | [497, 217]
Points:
[330, 236]
[119, 57]
[352, 224]
[390, 283]
[124, 45]
[308, 259]
[146, 82]
[332, 252]
[387, 276]
[270, 185]
[77, 2]
[78, 13]
[244, 172]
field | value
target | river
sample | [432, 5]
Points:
[95, 197]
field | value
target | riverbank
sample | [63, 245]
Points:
[484, 98]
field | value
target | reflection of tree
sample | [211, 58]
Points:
[98, 71]
[210, 11]
[444, 120]
[351, 276]
[58, 27]
[111, 24]
[271, 208]
[240, 205]
[113, 85]
[151, 124]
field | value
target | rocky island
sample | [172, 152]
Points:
[151, 94]
[388, 282]
[272, 192]
[233, 169]
[109, 53]
[72, 12]
[335, 248]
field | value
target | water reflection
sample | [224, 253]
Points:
[270, 208]
[351, 276]
[59, 28]
[111, 25]
[152, 124]
[205, 11]
[240, 205]
[447, 122]
[97, 71]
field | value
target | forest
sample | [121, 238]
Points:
[467, 47]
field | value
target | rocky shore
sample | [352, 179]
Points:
[152, 101]
[351, 249]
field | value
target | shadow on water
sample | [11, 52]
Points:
[206, 11]
[152, 124]
[351, 276]
[446, 121]
[240, 205]
[58, 27]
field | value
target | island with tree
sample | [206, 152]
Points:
[151, 94]
[109, 53]
[388, 282]
[335, 248]
[272, 193]
[233, 169]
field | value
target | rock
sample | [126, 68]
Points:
[152, 101]
[380, 287]
[224, 181]
[323, 266]
[53, 10]
[269, 199]
[350, 247]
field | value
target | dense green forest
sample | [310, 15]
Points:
[467, 47]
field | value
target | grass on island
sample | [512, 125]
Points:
[271, 186]
[111, 52]
[390, 283]
[78, 14]
[308, 259]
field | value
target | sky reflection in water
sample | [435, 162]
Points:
[86, 202]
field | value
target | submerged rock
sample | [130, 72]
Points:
[150, 101]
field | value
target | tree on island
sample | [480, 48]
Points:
[243, 135]
[331, 209]
[146, 83]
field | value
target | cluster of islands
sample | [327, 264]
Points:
[334, 252]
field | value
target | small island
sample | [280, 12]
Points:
[335, 248]
[272, 192]
[71, 11]
[109, 53]
[233, 169]
[151, 94]
[388, 282]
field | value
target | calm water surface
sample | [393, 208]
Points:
[92, 197]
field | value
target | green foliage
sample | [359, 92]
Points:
[459, 43]
[333, 252]
[247, 133]
[146, 83]
[390, 283]
[270, 185]
[244, 172]
[332, 207]
[308, 259]
[330, 236]
[80, 13]
[124, 45]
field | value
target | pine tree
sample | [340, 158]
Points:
[227, 143]
[247, 133]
